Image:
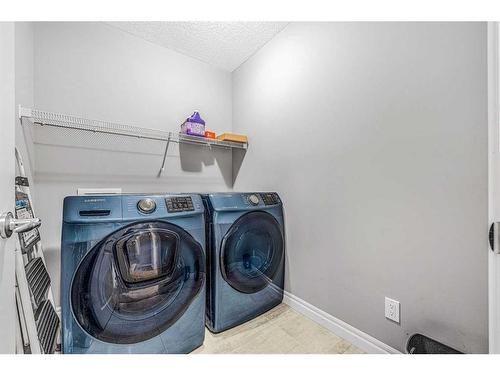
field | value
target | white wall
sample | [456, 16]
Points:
[97, 71]
[24, 89]
[375, 135]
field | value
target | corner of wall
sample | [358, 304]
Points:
[24, 88]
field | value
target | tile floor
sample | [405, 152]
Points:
[279, 331]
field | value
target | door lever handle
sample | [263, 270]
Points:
[9, 224]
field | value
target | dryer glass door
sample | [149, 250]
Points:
[252, 251]
[137, 282]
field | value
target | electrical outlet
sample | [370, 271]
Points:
[392, 309]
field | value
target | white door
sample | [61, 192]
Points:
[7, 171]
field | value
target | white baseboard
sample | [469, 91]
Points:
[359, 338]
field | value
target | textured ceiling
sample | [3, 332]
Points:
[223, 44]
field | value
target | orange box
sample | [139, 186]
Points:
[233, 137]
[209, 134]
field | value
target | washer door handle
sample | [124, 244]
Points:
[9, 225]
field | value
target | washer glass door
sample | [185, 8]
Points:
[137, 282]
[252, 252]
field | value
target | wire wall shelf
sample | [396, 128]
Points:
[65, 122]
[78, 123]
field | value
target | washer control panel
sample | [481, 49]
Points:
[270, 198]
[146, 205]
[179, 204]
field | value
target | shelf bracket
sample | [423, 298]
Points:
[23, 112]
[162, 168]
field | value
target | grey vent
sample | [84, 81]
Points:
[47, 324]
[38, 279]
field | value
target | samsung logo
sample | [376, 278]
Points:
[94, 200]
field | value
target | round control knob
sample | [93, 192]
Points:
[146, 205]
[253, 199]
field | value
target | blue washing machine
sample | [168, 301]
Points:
[245, 256]
[133, 274]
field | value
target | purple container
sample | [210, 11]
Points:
[194, 125]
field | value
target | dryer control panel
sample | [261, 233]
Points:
[179, 204]
[270, 198]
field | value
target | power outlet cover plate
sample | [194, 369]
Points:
[392, 309]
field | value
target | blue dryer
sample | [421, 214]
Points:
[245, 256]
[133, 274]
